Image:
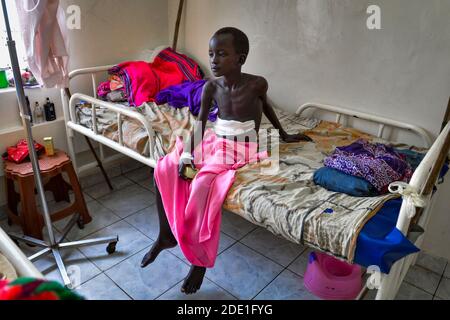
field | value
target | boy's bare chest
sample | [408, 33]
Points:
[240, 103]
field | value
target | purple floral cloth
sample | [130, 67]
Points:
[187, 94]
[377, 163]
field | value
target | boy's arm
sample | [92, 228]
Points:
[198, 130]
[270, 114]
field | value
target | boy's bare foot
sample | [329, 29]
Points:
[157, 247]
[194, 280]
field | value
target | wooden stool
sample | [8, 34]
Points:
[29, 218]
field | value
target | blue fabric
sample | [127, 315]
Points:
[414, 158]
[187, 94]
[337, 181]
[380, 243]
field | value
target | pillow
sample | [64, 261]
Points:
[337, 181]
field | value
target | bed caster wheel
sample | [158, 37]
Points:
[80, 224]
[111, 247]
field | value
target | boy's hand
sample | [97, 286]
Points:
[182, 167]
[294, 137]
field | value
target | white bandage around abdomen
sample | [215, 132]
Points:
[232, 127]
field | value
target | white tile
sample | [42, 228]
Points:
[444, 289]
[130, 242]
[280, 250]
[301, 263]
[235, 226]
[150, 282]
[287, 286]
[97, 176]
[129, 200]
[101, 218]
[101, 288]
[423, 279]
[146, 221]
[101, 189]
[431, 263]
[243, 272]
[409, 292]
[208, 291]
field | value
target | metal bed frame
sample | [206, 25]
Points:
[421, 184]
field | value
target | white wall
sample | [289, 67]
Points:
[321, 50]
[112, 31]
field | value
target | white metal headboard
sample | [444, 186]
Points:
[369, 117]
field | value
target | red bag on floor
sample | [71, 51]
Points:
[19, 153]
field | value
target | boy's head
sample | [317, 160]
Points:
[228, 50]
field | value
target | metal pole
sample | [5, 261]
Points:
[26, 120]
[177, 25]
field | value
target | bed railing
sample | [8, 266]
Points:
[20, 262]
[72, 123]
[421, 185]
[383, 122]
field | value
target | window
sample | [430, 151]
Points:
[17, 37]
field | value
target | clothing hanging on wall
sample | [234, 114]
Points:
[44, 33]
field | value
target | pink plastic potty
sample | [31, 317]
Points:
[331, 279]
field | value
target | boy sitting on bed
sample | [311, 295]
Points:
[190, 210]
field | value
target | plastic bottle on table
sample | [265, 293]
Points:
[38, 113]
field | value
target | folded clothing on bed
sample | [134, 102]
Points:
[377, 163]
[187, 94]
[338, 181]
[143, 80]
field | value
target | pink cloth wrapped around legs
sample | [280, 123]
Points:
[193, 208]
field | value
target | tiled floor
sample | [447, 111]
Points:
[252, 263]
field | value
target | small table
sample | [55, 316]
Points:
[52, 168]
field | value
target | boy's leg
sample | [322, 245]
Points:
[165, 240]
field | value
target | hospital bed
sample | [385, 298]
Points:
[152, 144]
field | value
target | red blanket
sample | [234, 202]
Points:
[143, 81]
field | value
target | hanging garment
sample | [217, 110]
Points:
[187, 94]
[377, 163]
[193, 208]
[44, 32]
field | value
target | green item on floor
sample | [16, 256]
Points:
[3, 79]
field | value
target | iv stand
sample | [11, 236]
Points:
[52, 245]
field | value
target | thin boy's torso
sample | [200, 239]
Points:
[242, 103]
